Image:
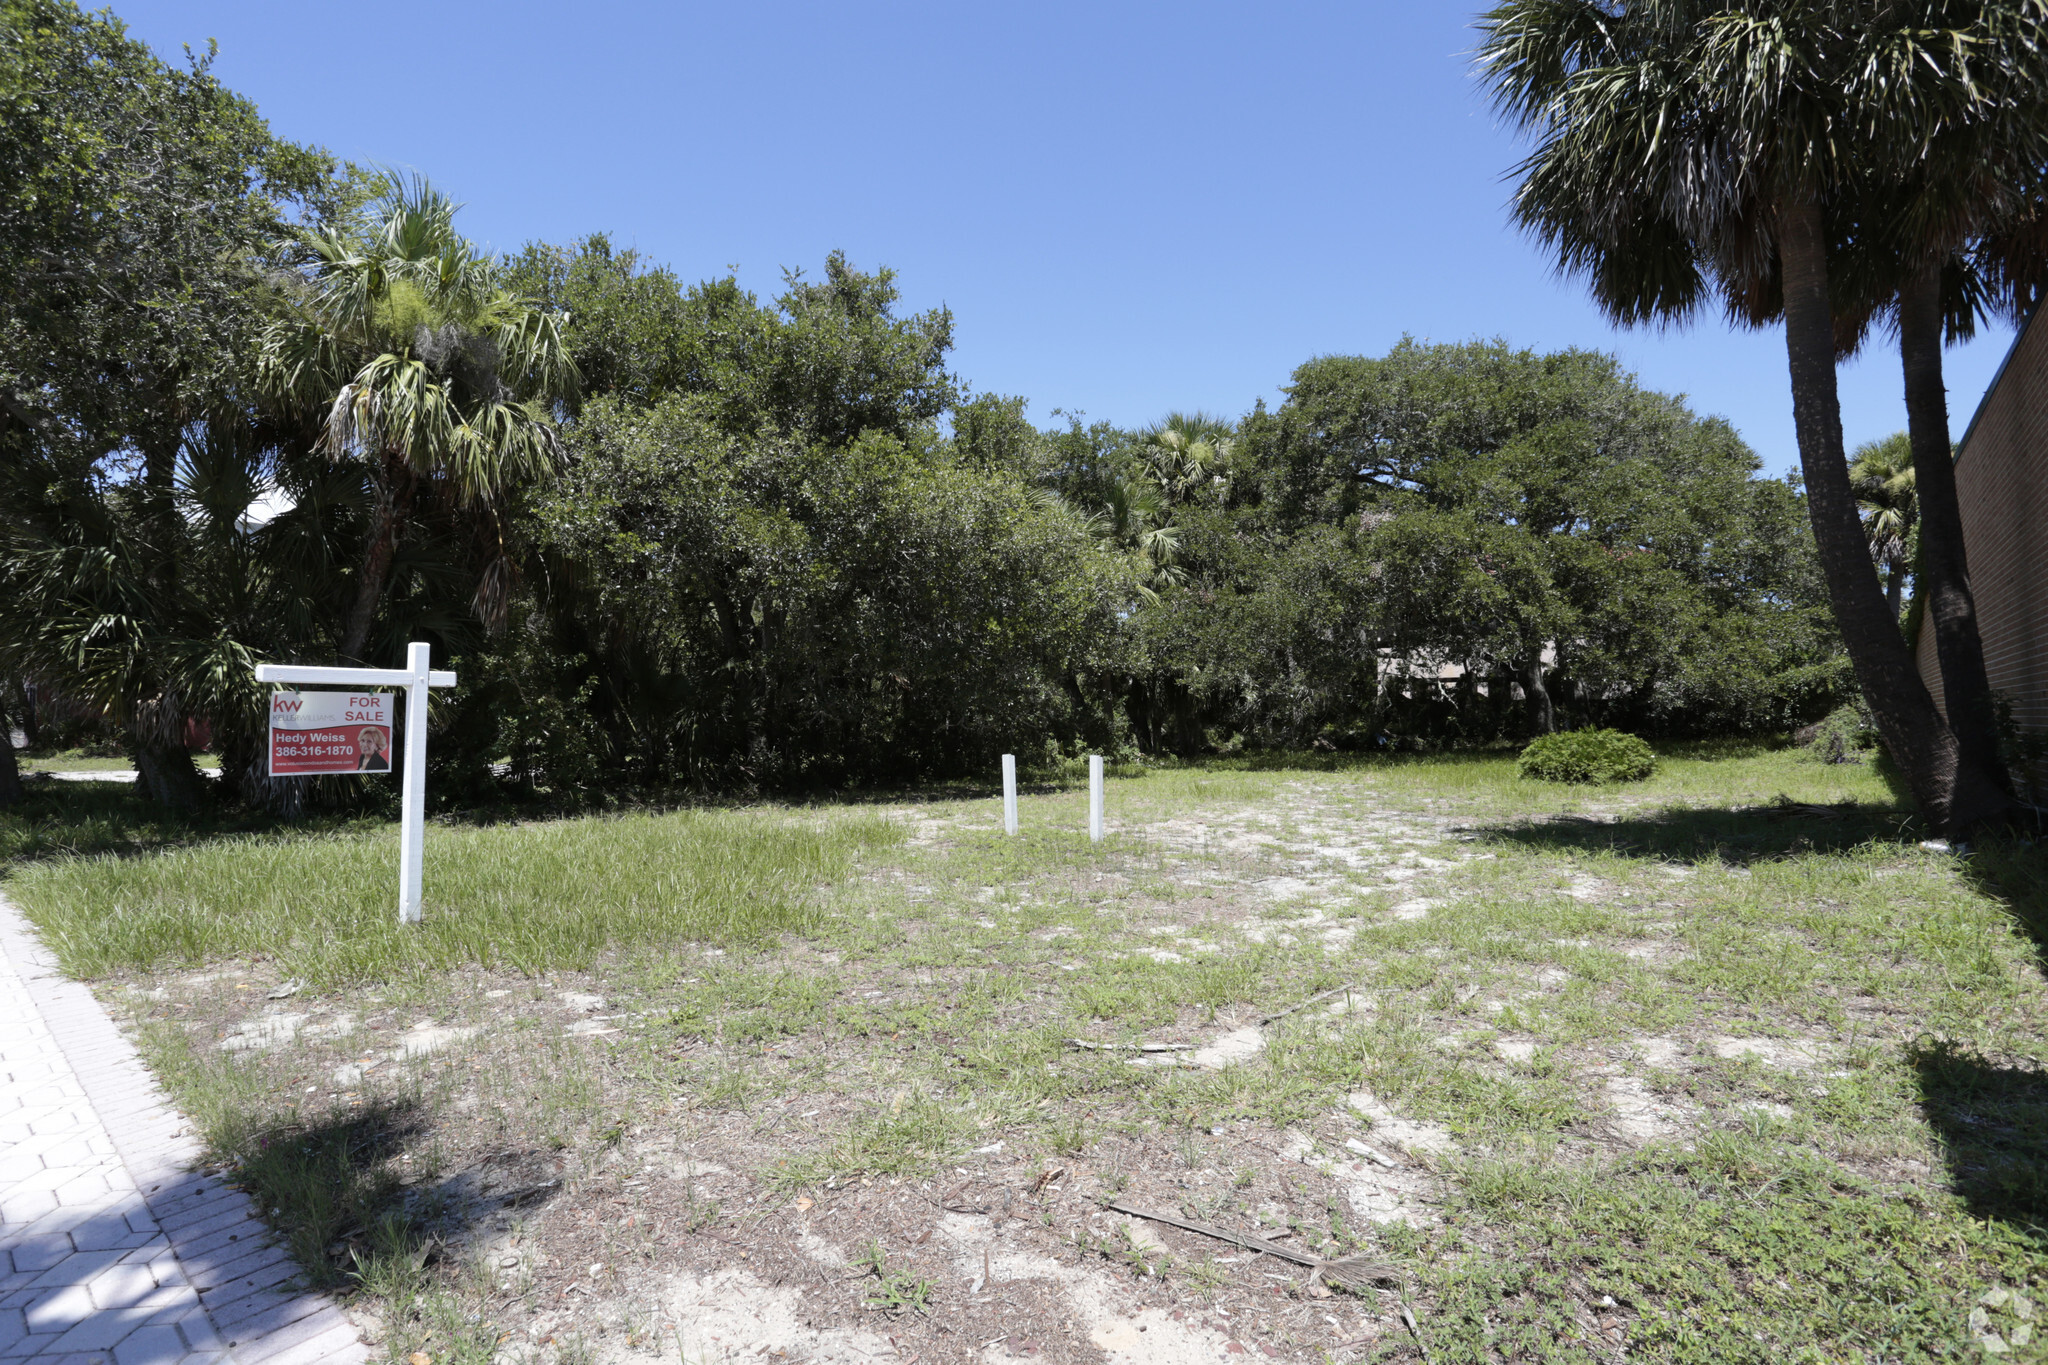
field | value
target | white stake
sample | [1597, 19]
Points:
[412, 828]
[1095, 798]
[1009, 793]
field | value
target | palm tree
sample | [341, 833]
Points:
[1925, 232]
[432, 377]
[1967, 205]
[1188, 453]
[1881, 472]
[1688, 149]
[1131, 518]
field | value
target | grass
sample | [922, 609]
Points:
[1716, 1066]
[1738, 1250]
[84, 819]
[530, 898]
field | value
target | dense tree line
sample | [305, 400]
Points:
[672, 533]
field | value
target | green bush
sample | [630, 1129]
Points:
[1588, 756]
[1843, 736]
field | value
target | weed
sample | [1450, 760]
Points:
[895, 1291]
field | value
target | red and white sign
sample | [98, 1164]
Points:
[329, 732]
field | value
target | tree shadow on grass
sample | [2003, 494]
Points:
[1693, 834]
[2014, 872]
[341, 1193]
[74, 819]
[1993, 1121]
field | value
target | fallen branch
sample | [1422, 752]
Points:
[1087, 1046]
[947, 1201]
[1353, 1272]
[1415, 1331]
[1312, 1000]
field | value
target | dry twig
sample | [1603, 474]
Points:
[1312, 1000]
[1352, 1272]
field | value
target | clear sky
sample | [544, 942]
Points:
[1130, 208]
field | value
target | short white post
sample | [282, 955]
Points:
[412, 828]
[1009, 793]
[1095, 798]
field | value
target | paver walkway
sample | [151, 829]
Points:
[113, 1250]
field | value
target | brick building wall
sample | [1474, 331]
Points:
[2002, 483]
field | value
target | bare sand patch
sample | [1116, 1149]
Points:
[1665, 1054]
[1638, 1115]
[732, 1314]
[1786, 1054]
[1238, 1045]
[1411, 1134]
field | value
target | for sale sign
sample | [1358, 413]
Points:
[329, 732]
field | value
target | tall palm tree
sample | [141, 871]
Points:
[1688, 149]
[1917, 253]
[1881, 472]
[432, 376]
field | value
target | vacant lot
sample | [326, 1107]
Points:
[1722, 1066]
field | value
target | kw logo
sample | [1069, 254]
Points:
[285, 705]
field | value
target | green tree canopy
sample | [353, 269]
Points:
[829, 359]
[766, 564]
[423, 369]
[1523, 519]
[137, 204]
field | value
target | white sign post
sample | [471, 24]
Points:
[415, 678]
[1009, 793]
[1095, 798]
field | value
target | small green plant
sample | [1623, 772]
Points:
[394, 1259]
[896, 1291]
[1588, 756]
[1071, 1137]
[1127, 1249]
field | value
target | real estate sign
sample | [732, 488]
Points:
[329, 732]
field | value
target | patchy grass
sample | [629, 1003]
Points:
[1717, 1066]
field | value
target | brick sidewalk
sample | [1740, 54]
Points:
[112, 1250]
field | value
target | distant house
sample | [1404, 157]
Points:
[2002, 483]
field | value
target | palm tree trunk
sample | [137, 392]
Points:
[167, 774]
[1944, 566]
[370, 581]
[1913, 731]
[10, 769]
[1894, 591]
[393, 501]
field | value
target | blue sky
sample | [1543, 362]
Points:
[1130, 208]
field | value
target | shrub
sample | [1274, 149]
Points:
[1842, 735]
[1588, 756]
